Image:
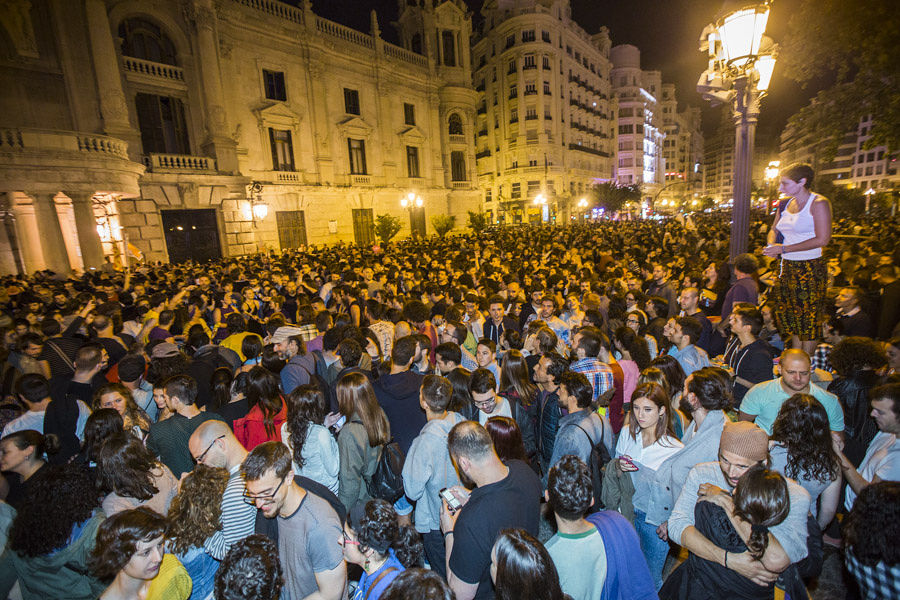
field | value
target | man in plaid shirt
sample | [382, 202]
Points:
[586, 346]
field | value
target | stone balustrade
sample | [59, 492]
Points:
[27, 140]
[148, 68]
[179, 163]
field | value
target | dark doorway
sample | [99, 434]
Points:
[363, 226]
[291, 228]
[417, 221]
[191, 235]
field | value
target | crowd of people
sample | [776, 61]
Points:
[601, 410]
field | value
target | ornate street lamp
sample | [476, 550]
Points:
[259, 208]
[411, 202]
[741, 61]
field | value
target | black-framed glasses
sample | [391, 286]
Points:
[200, 458]
[346, 539]
[251, 499]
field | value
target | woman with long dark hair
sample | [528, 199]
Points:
[461, 401]
[738, 523]
[194, 520]
[51, 537]
[716, 279]
[313, 448]
[374, 540]
[220, 388]
[24, 453]
[361, 438]
[131, 476]
[507, 438]
[522, 568]
[237, 405]
[801, 448]
[674, 374]
[514, 380]
[267, 410]
[103, 424]
[647, 443]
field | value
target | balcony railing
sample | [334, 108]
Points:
[179, 163]
[482, 154]
[25, 140]
[457, 139]
[589, 150]
[148, 68]
[460, 185]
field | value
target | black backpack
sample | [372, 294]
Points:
[386, 482]
[598, 460]
[316, 378]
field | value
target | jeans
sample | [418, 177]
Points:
[436, 551]
[402, 506]
[655, 550]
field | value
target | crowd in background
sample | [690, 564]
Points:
[600, 410]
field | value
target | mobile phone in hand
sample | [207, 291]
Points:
[452, 502]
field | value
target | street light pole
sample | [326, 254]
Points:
[746, 114]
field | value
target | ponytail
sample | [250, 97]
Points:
[44, 445]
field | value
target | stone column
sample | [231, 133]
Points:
[113, 106]
[86, 225]
[218, 141]
[27, 235]
[52, 243]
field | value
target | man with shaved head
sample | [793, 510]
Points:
[764, 400]
[213, 444]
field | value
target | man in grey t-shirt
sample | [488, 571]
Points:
[308, 528]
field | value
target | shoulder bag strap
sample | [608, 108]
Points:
[61, 354]
[377, 579]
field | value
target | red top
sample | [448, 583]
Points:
[251, 430]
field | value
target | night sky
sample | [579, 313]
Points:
[666, 31]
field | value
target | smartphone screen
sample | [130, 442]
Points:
[452, 501]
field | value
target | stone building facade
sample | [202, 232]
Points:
[200, 128]
[545, 119]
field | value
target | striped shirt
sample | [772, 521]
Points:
[238, 517]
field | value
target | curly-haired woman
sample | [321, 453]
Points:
[871, 531]
[801, 448]
[118, 397]
[131, 476]
[51, 537]
[130, 556]
[373, 540]
[195, 518]
[250, 571]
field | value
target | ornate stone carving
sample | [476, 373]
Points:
[15, 16]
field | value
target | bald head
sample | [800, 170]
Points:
[214, 445]
[795, 354]
[796, 371]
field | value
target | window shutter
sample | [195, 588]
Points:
[275, 165]
[290, 151]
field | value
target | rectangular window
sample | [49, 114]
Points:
[529, 62]
[516, 190]
[274, 84]
[458, 166]
[357, 150]
[513, 91]
[547, 88]
[409, 114]
[351, 101]
[511, 67]
[448, 39]
[545, 62]
[528, 35]
[545, 35]
[530, 89]
[162, 124]
[282, 149]
[412, 161]
[510, 40]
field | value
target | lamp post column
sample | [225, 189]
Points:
[746, 114]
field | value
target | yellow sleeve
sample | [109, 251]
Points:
[172, 582]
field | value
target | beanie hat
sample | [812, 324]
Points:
[745, 439]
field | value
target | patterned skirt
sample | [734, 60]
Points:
[799, 297]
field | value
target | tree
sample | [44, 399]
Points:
[443, 224]
[612, 196]
[855, 45]
[845, 201]
[386, 227]
[477, 221]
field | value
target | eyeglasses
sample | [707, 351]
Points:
[200, 458]
[635, 321]
[484, 403]
[266, 498]
[346, 539]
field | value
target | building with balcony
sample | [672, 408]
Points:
[682, 146]
[545, 115]
[640, 158]
[201, 129]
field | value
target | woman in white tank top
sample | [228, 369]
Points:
[801, 229]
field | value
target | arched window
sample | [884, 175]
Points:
[455, 124]
[146, 40]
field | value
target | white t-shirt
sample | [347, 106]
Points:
[882, 459]
[653, 455]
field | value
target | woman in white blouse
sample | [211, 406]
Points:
[641, 449]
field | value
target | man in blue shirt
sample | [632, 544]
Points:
[685, 333]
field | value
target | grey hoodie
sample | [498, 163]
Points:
[428, 469]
